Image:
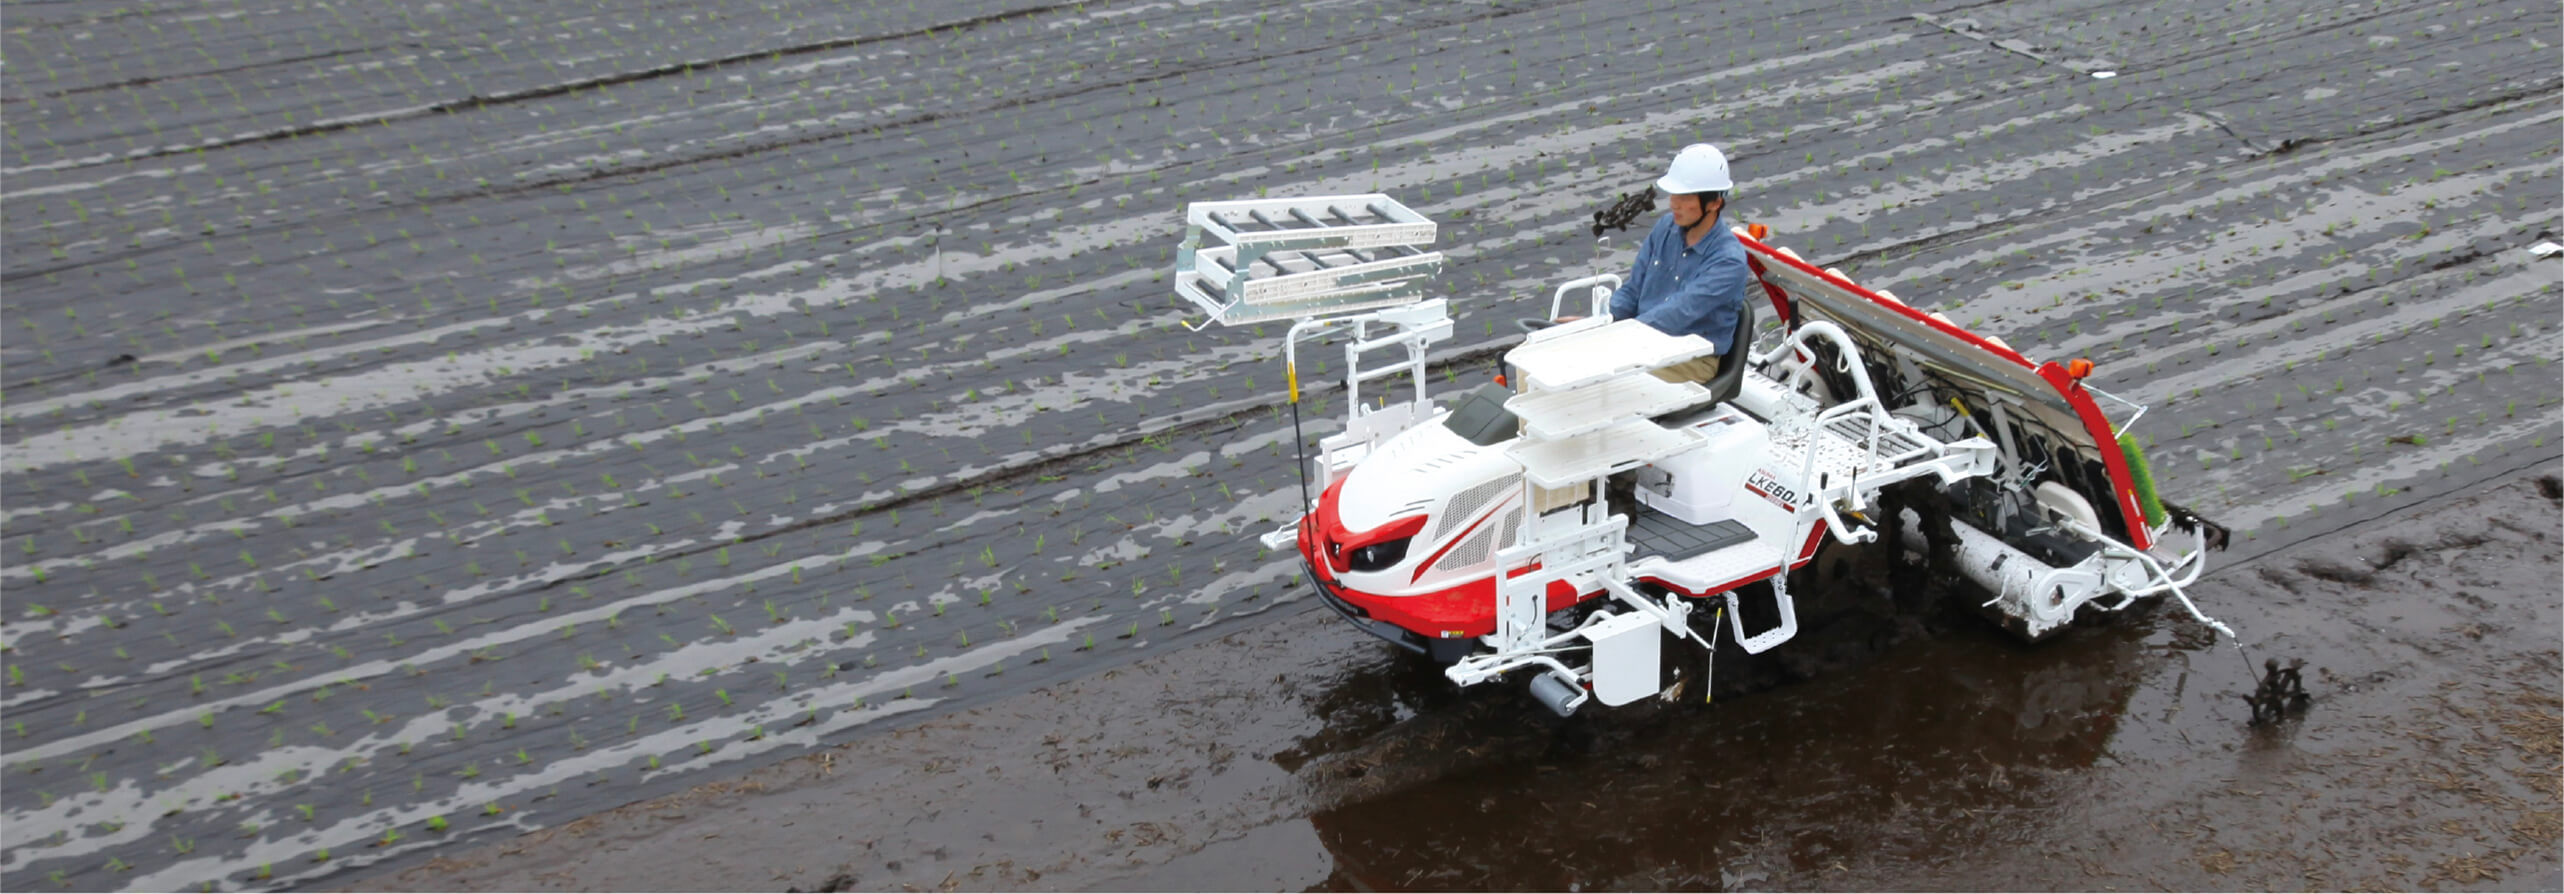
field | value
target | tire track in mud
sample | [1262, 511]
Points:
[573, 476]
[530, 92]
[479, 102]
[148, 80]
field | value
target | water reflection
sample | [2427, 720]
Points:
[1948, 743]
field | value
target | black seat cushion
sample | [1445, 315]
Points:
[1731, 365]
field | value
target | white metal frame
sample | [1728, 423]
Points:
[1413, 328]
[1271, 259]
[1599, 289]
[1352, 265]
[1951, 462]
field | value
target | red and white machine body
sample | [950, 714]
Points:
[1485, 538]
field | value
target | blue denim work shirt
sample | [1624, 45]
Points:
[1686, 289]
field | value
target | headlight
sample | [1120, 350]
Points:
[1379, 556]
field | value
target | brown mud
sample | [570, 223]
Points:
[1301, 755]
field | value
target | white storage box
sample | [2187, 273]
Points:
[1705, 478]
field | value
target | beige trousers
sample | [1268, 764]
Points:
[1701, 370]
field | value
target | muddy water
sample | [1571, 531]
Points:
[2119, 755]
[1732, 794]
[1299, 755]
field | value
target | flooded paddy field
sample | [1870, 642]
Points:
[1298, 755]
[425, 424]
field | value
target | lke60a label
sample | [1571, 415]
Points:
[1764, 484]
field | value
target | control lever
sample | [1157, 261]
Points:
[1624, 212]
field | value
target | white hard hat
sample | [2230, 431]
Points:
[1700, 167]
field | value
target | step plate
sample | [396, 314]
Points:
[1658, 534]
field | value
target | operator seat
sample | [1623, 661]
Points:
[1731, 365]
[1730, 378]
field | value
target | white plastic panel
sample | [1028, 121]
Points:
[1703, 481]
[1622, 445]
[1553, 415]
[1626, 666]
[1592, 355]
